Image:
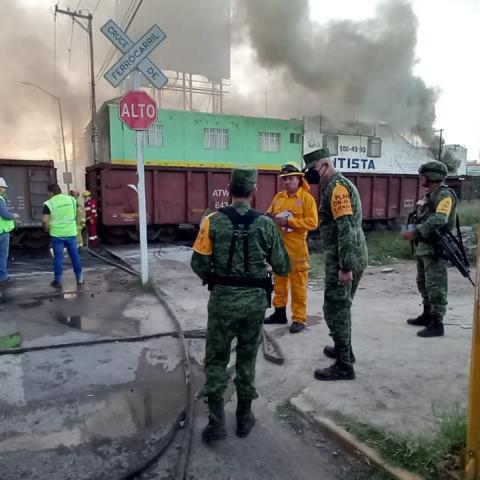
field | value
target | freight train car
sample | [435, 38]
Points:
[27, 182]
[188, 154]
[177, 195]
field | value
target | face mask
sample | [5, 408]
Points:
[312, 177]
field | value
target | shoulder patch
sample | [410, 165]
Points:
[340, 202]
[444, 206]
[203, 244]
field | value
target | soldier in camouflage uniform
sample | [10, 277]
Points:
[345, 258]
[231, 253]
[436, 211]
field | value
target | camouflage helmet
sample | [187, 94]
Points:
[435, 171]
[244, 177]
[289, 169]
[312, 157]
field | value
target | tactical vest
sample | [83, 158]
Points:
[428, 208]
[63, 216]
[241, 225]
[6, 226]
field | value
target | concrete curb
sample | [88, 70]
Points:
[348, 442]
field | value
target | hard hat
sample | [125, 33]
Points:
[3, 183]
[87, 193]
[289, 169]
[435, 171]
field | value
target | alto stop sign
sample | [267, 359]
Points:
[137, 110]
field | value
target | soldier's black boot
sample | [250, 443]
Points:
[433, 329]
[245, 418]
[331, 352]
[215, 430]
[342, 369]
[422, 320]
[278, 316]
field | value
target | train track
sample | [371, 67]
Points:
[184, 420]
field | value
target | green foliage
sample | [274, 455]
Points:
[426, 455]
[469, 212]
[386, 247]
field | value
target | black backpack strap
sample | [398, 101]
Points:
[236, 219]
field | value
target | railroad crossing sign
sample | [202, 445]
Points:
[137, 110]
[134, 54]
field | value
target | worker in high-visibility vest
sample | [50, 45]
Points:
[60, 218]
[6, 226]
[91, 216]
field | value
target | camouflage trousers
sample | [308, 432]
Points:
[432, 283]
[337, 304]
[233, 312]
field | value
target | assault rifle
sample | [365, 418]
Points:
[451, 248]
[448, 246]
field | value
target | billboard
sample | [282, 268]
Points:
[198, 34]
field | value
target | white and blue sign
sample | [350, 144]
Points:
[134, 54]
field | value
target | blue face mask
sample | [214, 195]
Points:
[312, 176]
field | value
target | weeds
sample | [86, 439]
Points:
[427, 455]
[384, 247]
[469, 212]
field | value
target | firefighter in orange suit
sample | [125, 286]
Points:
[91, 218]
[295, 212]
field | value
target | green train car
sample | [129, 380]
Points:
[197, 139]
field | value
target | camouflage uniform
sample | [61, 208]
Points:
[236, 311]
[345, 249]
[436, 210]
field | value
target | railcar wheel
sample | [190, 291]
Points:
[168, 233]
[35, 240]
[114, 236]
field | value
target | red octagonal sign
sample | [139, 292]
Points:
[137, 110]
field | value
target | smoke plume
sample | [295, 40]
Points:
[347, 69]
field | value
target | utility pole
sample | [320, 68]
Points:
[67, 177]
[440, 144]
[89, 30]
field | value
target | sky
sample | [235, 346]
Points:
[447, 36]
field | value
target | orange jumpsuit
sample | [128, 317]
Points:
[305, 218]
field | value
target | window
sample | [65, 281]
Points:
[215, 138]
[269, 142]
[295, 137]
[374, 147]
[153, 136]
[331, 142]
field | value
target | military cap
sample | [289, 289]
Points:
[435, 171]
[312, 157]
[244, 176]
[289, 169]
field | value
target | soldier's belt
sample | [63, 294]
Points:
[244, 282]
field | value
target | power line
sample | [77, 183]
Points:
[134, 15]
[96, 6]
[126, 23]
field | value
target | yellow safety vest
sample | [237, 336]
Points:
[63, 216]
[5, 225]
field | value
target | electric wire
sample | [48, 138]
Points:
[96, 6]
[127, 22]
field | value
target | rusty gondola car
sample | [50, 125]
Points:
[27, 190]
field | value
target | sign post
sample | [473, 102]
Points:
[136, 108]
[472, 460]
